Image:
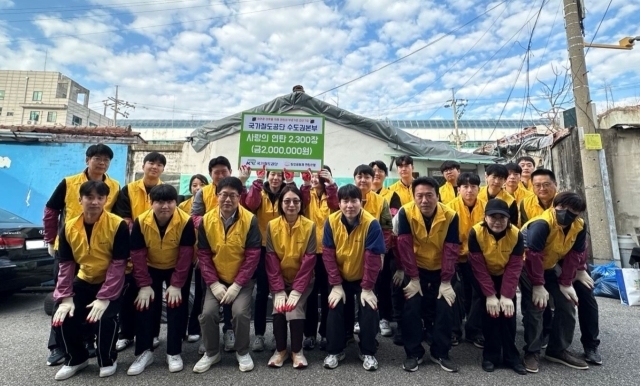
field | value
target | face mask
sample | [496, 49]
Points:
[565, 217]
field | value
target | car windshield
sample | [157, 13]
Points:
[8, 217]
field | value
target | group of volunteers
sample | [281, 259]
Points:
[442, 262]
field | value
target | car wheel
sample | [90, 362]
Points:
[49, 303]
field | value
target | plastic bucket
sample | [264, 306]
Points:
[626, 245]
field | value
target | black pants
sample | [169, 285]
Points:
[436, 313]
[262, 295]
[128, 309]
[193, 327]
[384, 286]
[321, 290]
[367, 317]
[176, 317]
[500, 332]
[71, 330]
[470, 304]
[397, 296]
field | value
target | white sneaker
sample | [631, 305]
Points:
[369, 362]
[229, 340]
[245, 363]
[299, 361]
[206, 362]
[108, 371]
[277, 359]
[332, 361]
[193, 338]
[142, 361]
[258, 344]
[385, 328]
[356, 328]
[122, 344]
[175, 363]
[156, 342]
[67, 372]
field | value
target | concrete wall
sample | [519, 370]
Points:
[617, 115]
[173, 153]
[29, 173]
[566, 163]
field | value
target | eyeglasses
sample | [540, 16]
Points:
[101, 160]
[546, 185]
[289, 202]
[224, 196]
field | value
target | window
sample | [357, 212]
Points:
[52, 116]
[1, 95]
[37, 96]
[9, 114]
[61, 91]
[91, 124]
[76, 121]
[34, 116]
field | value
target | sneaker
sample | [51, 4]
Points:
[258, 344]
[299, 361]
[322, 344]
[108, 371]
[193, 338]
[142, 361]
[411, 364]
[592, 355]
[478, 341]
[309, 343]
[566, 358]
[331, 361]
[446, 364]
[531, 362]
[356, 328]
[277, 359]
[544, 342]
[56, 357]
[202, 349]
[229, 340]
[488, 366]
[385, 328]
[206, 362]
[175, 363]
[245, 363]
[519, 368]
[156, 342]
[369, 362]
[122, 344]
[455, 340]
[67, 372]
[91, 349]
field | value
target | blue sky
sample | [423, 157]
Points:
[205, 59]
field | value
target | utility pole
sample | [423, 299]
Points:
[455, 103]
[115, 103]
[599, 223]
[115, 108]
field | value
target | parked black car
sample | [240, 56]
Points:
[24, 258]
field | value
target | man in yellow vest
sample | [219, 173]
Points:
[229, 243]
[162, 248]
[97, 242]
[404, 164]
[450, 170]
[470, 210]
[132, 201]
[557, 234]
[545, 187]
[496, 250]
[63, 204]
[429, 246]
[513, 185]
[528, 165]
[496, 175]
[352, 246]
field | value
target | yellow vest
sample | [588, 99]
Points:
[290, 244]
[557, 245]
[350, 246]
[428, 247]
[266, 212]
[466, 220]
[374, 203]
[162, 253]
[496, 253]
[529, 187]
[531, 206]
[318, 211]
[520, 194]
[93, 256]
[503, 195]
[209, 197]
[386, 194]
[404, 192]
[138, 197]
[447, 193]
[186, 205]
[228, 250]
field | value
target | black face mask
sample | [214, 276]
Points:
[564, 217]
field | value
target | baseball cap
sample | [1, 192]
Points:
[496, 206]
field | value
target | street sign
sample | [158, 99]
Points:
[294, 142]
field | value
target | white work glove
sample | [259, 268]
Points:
[398, 278]
[292, 301]
[507, 306]
[412, 288]
[65, 308]
[52, 252]
[446, 291]
[584, 278]
[279, 301]
[368, 297]
[218, 290]
[231, 294]
[493, 306]
[570, 293]
[144, 298]
[98, 307]
[540, 296]
[173, 296]
[336, 294]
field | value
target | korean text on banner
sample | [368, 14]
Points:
[294, 142]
